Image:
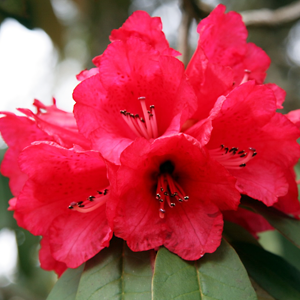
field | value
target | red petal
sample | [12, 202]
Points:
[149, 29]
[76, 237]
[46, 259]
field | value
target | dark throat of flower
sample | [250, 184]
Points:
[91, 203]
[145, 126]
[168, 191]
[232, 158]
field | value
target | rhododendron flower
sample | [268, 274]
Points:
[138, 91]
[64, 200]
[254, 142]
[37, 211]
[169, 192]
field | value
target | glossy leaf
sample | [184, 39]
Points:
[271, 272]
[218, 276]
[116, 273]
[66, 287]
[286, 225]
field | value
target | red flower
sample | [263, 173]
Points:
[64, 201]
[169, 192]
[254, 142]
[40, 201]
[138, 92]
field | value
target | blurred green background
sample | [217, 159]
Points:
[79, 31]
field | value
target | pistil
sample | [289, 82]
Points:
[168, 191]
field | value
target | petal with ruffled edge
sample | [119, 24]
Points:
[58, 124]
[47, 261]
[147, 28]
[18, 132]
[134, 210]
[75, 238]
[223, 40]
[209, 81]
[289, 203]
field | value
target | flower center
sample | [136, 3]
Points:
[91, 203]
[143, 127]
[232, 158]
[168, 189]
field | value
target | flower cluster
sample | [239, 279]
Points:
[154, 153]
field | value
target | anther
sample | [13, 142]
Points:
[254, 154]
[243, 165]
[173, 204]
[186, 197]
[91, 198]
[105, 192]
[80, 202]
[70, 207]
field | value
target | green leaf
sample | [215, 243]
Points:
[66, 287]
[116, 273]
[218, 276]
[271, 272]
[286, 225]
[261, 293]
[233, 232]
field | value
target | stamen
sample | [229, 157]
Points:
[142, 127]
[232, 159]
[91, 203]
[168, 189]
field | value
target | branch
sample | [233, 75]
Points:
[259, 17]
[267, 17]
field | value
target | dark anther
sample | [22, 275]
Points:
[80, 202]
[172, 204]
[180, 200]
[241, 152]
[142, 120]
[91, 198]
[186, 197]
[233, 149]
[222, 146]
[123, 112]
[243, 155]
[99, 192]
[161, 200]
[226, 150]
[105, 192]
[166, 193]
[137, 116]
[161, 189]
[151, 106]
[254, 154]
[70, 207]
[167, 167]
[158, 196]
[80, 205]
[243, 165]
